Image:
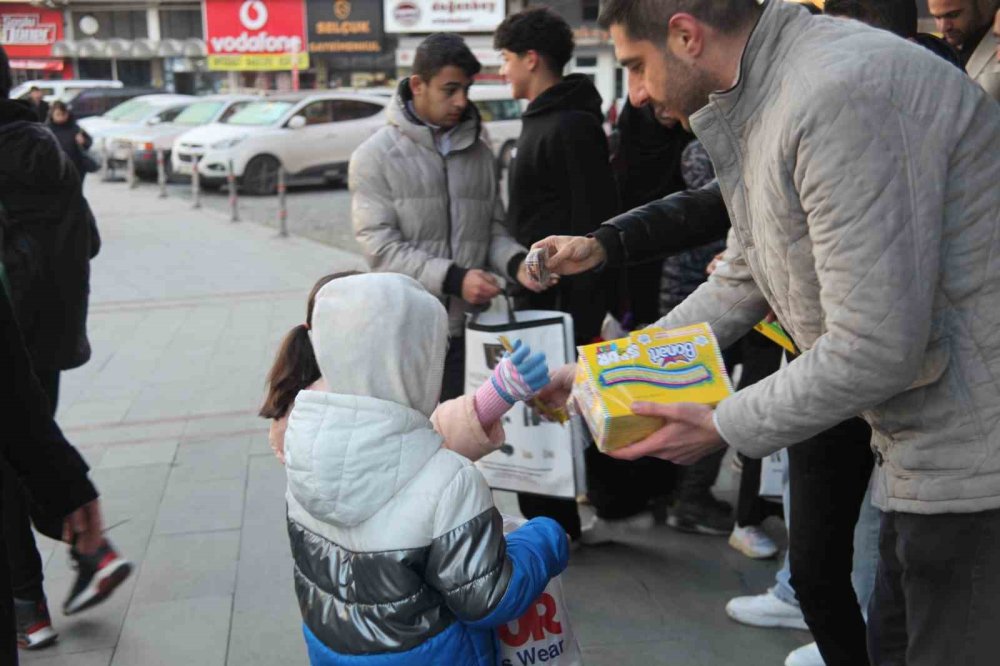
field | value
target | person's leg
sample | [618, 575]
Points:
[620, 489]
[887, 608]
[829, 476]
[749, 510]
[23, 560]
[950, 582]
[563, 511]
[453, 384]
[866, 551]
[783, 579]
[8, 625]
[697, 510]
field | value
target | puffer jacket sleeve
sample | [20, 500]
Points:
[729, 301]
[871, 182]
[503, 248]
[376, 224]
[456, 421]
[483, 580]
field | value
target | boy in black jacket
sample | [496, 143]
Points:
[561, 179]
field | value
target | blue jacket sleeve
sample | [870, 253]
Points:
[538, 551]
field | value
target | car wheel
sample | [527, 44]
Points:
[261, 175]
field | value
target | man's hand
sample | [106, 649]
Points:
[687, 436]
[528, 282]
[84, 529]
[479, 287]
[714, 264]
[556, 394]
[569, 255]
[81, 139]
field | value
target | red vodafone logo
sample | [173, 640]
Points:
[242, 27]
[253, 14]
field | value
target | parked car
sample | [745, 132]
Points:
[60, 89]
[138, 112]
[98, 101]
[501, 115]
[147, 140]
[310, 135]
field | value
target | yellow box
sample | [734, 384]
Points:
[651, 365]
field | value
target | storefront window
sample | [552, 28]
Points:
[117, 24]
[180, 24]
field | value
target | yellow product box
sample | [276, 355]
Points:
[651, 365]
[776, 334]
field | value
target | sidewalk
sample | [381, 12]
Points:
[187, 311]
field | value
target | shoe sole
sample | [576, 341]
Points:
[100, 588]
[769, 622]
[753, 555]
[689, 528]
[39, 639]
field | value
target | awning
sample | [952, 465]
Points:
[65, 49]
[138, 49]
[195, 48]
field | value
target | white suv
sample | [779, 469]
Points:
[310, 136]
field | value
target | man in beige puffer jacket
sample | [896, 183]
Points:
[424, 195]
[861, 175]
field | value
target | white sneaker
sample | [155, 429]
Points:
[753, 542]
[606, 531]
[765, 610]
[807, 655]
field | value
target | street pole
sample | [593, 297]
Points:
[133, 182]
[282, 204]
[105, 162]
[161, 174]
[195, 184]
[234, 206]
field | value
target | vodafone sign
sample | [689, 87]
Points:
[255, 35]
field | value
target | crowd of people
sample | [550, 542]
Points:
[769, 163]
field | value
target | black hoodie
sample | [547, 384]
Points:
[561, 183]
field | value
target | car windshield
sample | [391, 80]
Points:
[260, 113]
[130, 111]
[199, 113]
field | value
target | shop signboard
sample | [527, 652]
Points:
[255, 35]
[404, 16]
[344, 27]
[29, 32]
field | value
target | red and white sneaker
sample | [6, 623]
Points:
[98, 575]
[34, 626]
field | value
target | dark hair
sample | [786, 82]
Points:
[896, 16]
[6, 78]
[34, 89]
[539, 29]
[444, 49]
[58, 105]
[650, 19]
[295, 367]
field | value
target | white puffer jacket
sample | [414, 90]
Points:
[417, 212]
[862, 176]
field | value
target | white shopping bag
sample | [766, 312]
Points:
[538, 456]
[772, 474]
[543, 635]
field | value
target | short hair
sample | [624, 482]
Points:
[896, 16]
[538, 29]
[649, 20]
[34, 89]
[6, 78]
[442, 50]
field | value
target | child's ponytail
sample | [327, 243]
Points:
[295, 367]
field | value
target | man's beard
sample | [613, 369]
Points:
[688, 87]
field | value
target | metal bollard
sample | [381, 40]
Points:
[130, 177]
[105, 163]
[282, 204]
[195, 184]
[234, 206]
[161, 174]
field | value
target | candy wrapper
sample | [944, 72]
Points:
[651, 365]
[536, 262]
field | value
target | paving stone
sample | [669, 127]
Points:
[214, 459]
[201, 506]
[47, 658]
[189, 566]
[192, 632]
[134, 455]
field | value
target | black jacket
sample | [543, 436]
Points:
[66, 136]
[49, 237]
[561, 183]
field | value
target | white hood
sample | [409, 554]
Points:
[380, 341]
[381, 335]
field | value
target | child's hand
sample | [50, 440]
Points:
[521, 374]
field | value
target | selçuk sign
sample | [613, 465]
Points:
[344, 27]
[255, 35]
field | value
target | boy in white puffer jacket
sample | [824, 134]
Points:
[399, 552]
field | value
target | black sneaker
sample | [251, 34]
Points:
[710, 516]
[34, 626]
[98, 575]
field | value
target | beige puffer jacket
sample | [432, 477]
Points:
[862, 176]
[416, 212]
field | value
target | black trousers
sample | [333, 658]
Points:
[23, 560]
[751, 509]
[828, 476]
[937, 592]
[453, 384]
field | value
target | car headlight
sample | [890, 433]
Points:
[227, 143]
